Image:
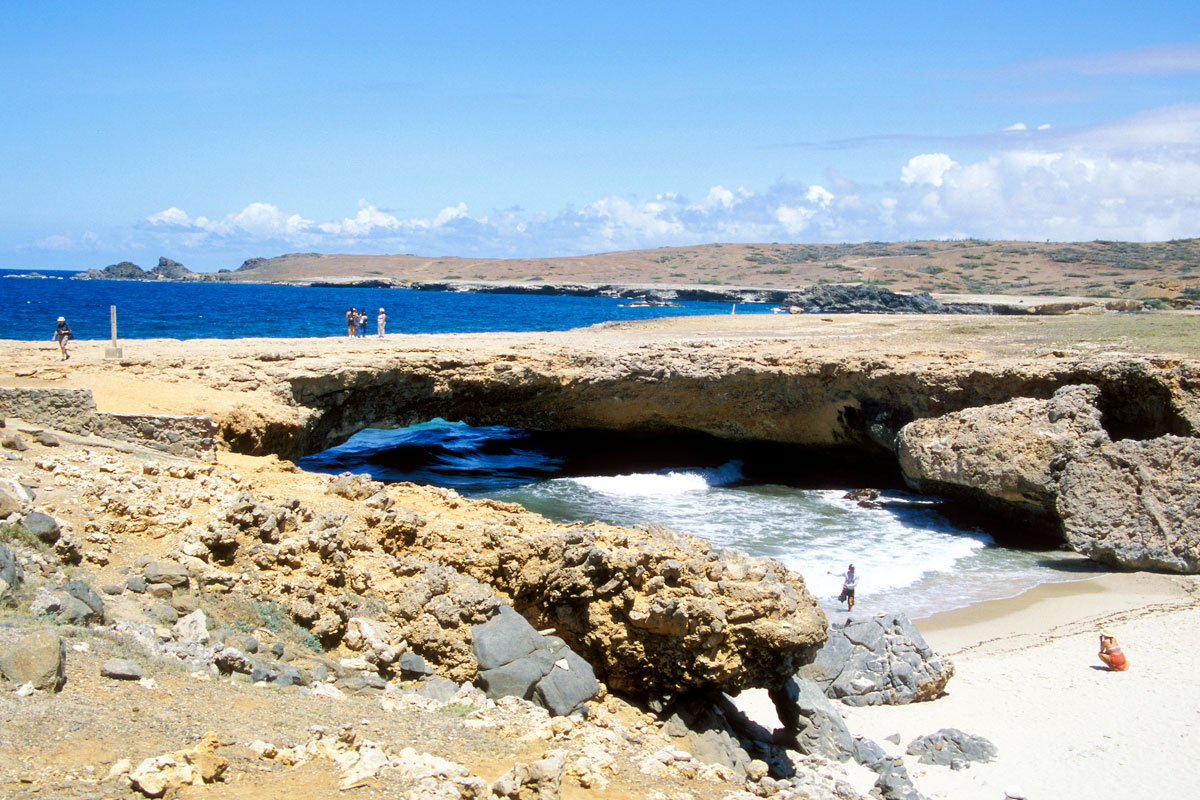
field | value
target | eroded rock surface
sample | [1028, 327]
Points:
[1012, 452]
[1135, 504]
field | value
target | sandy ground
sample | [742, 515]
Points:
[1028, 679]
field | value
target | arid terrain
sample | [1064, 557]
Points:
[1166, 271]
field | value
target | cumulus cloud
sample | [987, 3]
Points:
[1132, 178]
[926, 168]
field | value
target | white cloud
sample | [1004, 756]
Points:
[1132, 178]
[1016, 126]
[926, 168]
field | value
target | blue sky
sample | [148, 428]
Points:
[215, 132]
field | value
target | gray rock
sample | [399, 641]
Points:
[11, 572]
[64, 607]
[820, 730]
[289, 675]
[39, 658]
[438, 689]
[515, 660]
[136, 584]
[230, 659]
[412, 664]
[88, 596]
[46, 439]
[950, 745]
[121, 669]
[1134, 504]
[879, 661]
[168, 572]
[43, 526]
[13, 441]
[185, 603]
[10, 503]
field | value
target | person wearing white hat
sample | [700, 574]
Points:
[381, 322]
[62, 334]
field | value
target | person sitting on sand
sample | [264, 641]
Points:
[849, 584]
[1110, 653]
[62, 334]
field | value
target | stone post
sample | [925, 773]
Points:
[113, 352]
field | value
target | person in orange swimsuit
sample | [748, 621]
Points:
[1110, 653]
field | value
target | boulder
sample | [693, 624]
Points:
[879, 661]
[950, 746]
[540, 779]
[11, 500]
[169, 572]
[121, 669]
[39, 658]
[1011, 453]
[89, 597]
[192, 628]
[1135, 504]
[819, 728]
[63, 606]
[43, 526]
[516, 660]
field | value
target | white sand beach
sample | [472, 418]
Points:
[1028, 679]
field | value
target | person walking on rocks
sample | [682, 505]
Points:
[849, 584]
[381, 322]
[62, 334]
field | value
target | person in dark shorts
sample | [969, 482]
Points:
[849, 584]
[62, 335]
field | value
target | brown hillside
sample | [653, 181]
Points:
[1166, 270]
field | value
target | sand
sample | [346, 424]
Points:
[1028, 679]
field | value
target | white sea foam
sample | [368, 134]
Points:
[645, 484]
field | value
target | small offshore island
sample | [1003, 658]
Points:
[152, 507]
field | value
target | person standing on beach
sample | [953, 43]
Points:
[381, 322]
[362, 323]
[62, 334]
[351, 321]
[849, 584]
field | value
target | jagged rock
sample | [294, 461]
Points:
[540, 779]
[64, 607]
[192, 628]
[88, 596]
[169, 572]
[230, 659]
[879, 661]
[121, 669]
[1013, 453]
[46, 439]
[39, 658]
[705, 729]
[43, 526]
[11, 573]
[155, 777]
[12, 498]
[515, 660]
[373, 639]
[950, 745]
[1135, 504]
[820, 729]
[13, 441]
[170, 270]
[354, 487]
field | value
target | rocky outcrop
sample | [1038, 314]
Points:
[166, 270]
[1011, 453]
[879, 661]
[1134, 504]
[951, 747]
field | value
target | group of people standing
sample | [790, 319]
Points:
[356, 322]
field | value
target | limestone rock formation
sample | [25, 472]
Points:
[653, 610]
[1012, 452]
[1134, 504]
[879, 661]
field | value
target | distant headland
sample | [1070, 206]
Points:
[1157, 274]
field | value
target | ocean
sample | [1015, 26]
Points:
[910, 556]
[152, 310]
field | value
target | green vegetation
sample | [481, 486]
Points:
[18, 534]
[933, 269]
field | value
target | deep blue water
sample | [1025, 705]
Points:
[227, 311]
